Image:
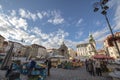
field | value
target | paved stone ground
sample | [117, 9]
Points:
[77, 74]
[63, 74]
[2, 75]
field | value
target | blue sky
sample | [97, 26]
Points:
[50, 22]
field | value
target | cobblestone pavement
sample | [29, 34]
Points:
[63, 74]
[2, 75]
[77, 74]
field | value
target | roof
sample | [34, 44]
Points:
[82, 44]
[38, 45]
[2, 36]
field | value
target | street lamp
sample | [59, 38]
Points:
[8, 58]
[104, 8]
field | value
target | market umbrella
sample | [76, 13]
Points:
[102, 56]
[99, 56]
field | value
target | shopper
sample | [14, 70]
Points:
[48, 63]
[91, 67]
[98, 68]
[86, 64]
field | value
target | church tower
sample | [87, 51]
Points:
[92, 42]
[63, 50]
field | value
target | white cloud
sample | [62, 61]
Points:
[12, 26]
[36, 41]
[13, 13]
[39, 15]
[33, 16]
[53, 17]
[23, 13]
[4, 21]
[117, 16]
[115, 5]
[46, 14]
[18, 22]
[71, 44]
[0, 7]
[39, 33]
[56, 18]
[98, 23]
[53, 39]
[15, 27]
[79, 34]
[79, 22]
[99, 36]
[27, 14]
[101, 33]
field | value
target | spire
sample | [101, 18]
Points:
[91, 39]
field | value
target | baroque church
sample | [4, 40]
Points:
[62, 51]
[87, 49]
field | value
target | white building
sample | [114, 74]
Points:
[42, 52]
[38, 51]
[17, 50]
[87, 49]
[110, 47]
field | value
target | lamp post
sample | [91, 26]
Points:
[104, 8]
[8, 58]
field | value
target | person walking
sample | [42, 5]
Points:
[91, 67]
[98, 68]
[86, 64]
[48, 63]
[9, 70]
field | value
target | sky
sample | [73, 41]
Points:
[50, 22]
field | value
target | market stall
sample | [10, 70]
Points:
[70, 64]
[115, 74]
[102, 56]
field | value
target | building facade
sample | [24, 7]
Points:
[42, 52]
[63, 50]
[27, 51]
[72, 53]
[1, 43]
[52, 52]
[22, 51]
[101, 51]
[37, 51]
[87, 49]
[17, 50]
[110, 47]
